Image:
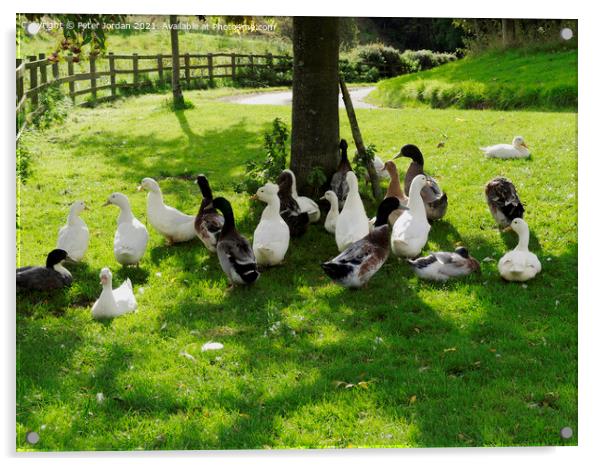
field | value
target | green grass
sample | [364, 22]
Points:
[510, 79]
[475, 362]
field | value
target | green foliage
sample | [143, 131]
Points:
[317, 179]
[372, 62]
[360, 162]
[259, 173]
[279, 72]
[507, 79]
[54, 105]
[24, 157]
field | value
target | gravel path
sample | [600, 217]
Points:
[286, 97]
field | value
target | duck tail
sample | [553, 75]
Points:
[335, 270]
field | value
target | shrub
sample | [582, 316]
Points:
[420, 60]
[55, 107]
[259, 173]
[372, 62]
[23, 160]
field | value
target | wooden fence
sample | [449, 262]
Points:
[38, 73]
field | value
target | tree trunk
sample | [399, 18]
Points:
[315, 131]
[178, 98]
[504, 32]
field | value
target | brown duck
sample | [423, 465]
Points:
[435, 200]
[290, 211]
[356, 265]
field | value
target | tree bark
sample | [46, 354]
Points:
[176, 88]
[315, 121]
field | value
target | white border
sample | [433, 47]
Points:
[590, 154]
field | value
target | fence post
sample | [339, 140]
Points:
[135, 68]
[233, 65]
[210, 66]
[112, 74]
[93, 77]
[70, 74]
[55, 71]
[187, 69]
[252, 66]
[43, 68]
[160, 69]
[33, 82]
[19, 82]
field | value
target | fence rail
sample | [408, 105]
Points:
[106, 75]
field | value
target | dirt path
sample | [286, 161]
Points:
[286, 97]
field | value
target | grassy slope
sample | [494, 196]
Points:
[509, 79]
[489, 363]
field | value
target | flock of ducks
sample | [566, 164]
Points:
[401, 227]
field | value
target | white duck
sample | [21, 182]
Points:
[305, 203]
[517, 150]
[330, 224]
[74, 236]
[411, 229]
[171, 223]
[272, 235]
[131, 236]
[352, 224]
[113, 303]
[520, 264]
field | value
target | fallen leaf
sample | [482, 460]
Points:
[413, 399]
[447, 350]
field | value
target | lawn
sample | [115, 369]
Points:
[475, 362]
[507, 79]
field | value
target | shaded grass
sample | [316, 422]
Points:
[509, 79]
[473, 362]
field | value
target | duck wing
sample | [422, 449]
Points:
[239, 254]
[501, 195]
[124, 297]
[338, 184]
[41, 278]
[351, 258]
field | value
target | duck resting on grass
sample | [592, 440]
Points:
[520, 264]
[234, 252]
[435, 200]
[503, 201]
[338, 182]
[131, 236]
[113, 302]
[330, 224]
[305, 203]
[208, 222]
[352, 223]
[74, 236]
[291, 213]
[272, 236]
[174, 225]
[50, 277]
[354, 267]
[517, 150]
[441, 266]
[411, 230]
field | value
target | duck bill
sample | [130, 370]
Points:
[254, 197]
[106, 204]
[524, 145]
[398, 155]
[86, 207]
[139, 188]
[507, 229]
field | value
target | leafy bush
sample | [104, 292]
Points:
[369, 63]
[259, 173]
[55, 107]
[277, 73]
[23, 160]
[420, 60]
